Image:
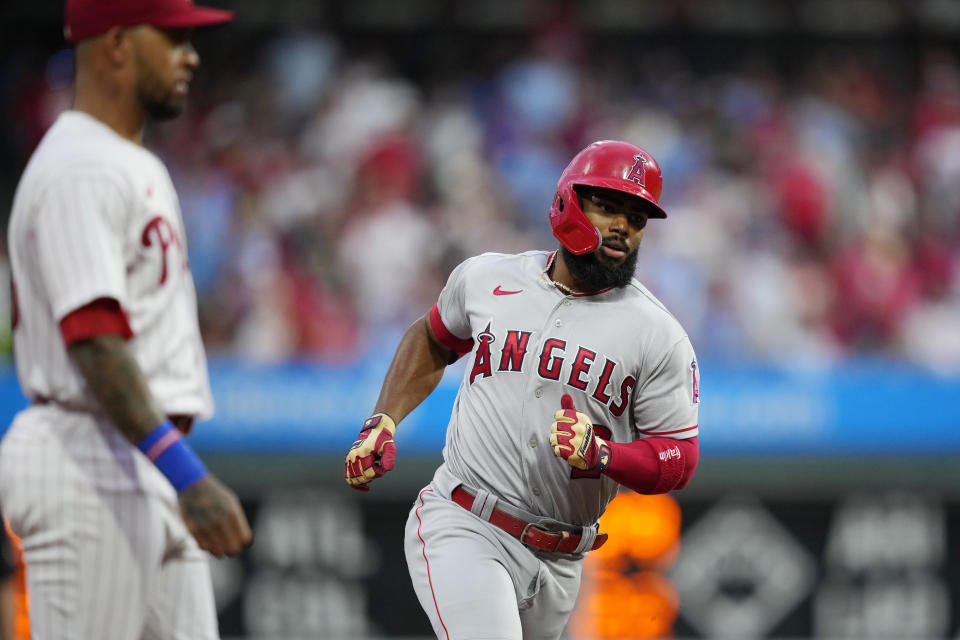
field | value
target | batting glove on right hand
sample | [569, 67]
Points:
[374, 452]
[572, 437]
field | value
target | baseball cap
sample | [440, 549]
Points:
[88, 18]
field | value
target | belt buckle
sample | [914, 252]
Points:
[523, 534]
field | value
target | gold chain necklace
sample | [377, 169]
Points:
[547, 280]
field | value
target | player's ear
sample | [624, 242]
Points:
[117, 46]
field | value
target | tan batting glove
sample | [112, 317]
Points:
[573, 439]
[373, 453]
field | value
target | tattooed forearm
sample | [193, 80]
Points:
[115, 379]
[201, 508]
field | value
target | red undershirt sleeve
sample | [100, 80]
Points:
[654, 465]
[103, 316]
[460, 345]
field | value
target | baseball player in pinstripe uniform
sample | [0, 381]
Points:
[112, 507]
[578, 381]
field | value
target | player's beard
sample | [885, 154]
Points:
[158, 109]
[159, 102]
[593, 272]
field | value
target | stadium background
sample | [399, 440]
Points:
[338, 158]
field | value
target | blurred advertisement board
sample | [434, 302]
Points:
[329, 563]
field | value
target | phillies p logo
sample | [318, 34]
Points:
[159, 228]
[639, 167]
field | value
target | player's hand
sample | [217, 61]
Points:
[374, 452]
[572, 438]
[214, 517]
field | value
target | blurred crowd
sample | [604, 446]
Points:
[814, 215]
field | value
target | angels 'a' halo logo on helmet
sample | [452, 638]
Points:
[610, 164]
[638, 173]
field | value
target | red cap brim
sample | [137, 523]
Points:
[82, 23]
[194, 17]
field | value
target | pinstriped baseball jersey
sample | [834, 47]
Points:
[96, 216]
[107, 551]
[626, 361]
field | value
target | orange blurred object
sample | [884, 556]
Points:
[623, 593]
[21, 600]
[644, 530]
[642, 605]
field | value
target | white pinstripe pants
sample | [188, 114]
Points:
[107, 553]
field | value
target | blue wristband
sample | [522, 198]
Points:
[172, 456]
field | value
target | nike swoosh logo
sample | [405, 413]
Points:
[500, 292]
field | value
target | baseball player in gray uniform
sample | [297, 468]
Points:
[578, 381]
[112, 506]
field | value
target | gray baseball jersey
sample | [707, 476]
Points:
[108, 555]
[624, 359]
[627, 363]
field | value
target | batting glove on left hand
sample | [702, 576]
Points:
[572, 437]
[374, 452]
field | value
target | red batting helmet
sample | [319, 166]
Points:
[609, 164]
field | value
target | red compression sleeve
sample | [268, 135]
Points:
[452, 342]
[654, 465]
[103, 316]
